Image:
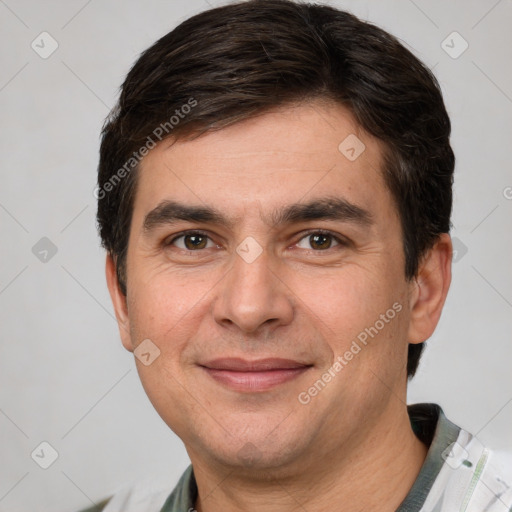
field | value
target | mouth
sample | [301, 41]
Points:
[253, 376]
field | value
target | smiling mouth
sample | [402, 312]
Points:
[253, 376]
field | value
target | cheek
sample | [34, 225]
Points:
[361, 313]
[165, 307]
[343, 299]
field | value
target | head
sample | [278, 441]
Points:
[273, 120]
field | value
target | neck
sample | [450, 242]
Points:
[372, 470]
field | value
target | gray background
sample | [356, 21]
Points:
[64, 376]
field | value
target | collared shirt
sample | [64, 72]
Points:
[458, 474]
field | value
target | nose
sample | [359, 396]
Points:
[252, 297]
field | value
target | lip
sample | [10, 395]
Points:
[254, 376]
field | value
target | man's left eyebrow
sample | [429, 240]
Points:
[328, 208]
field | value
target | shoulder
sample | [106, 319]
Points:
[497, 474]
[459, 473]
[152, 493]
[477, 477]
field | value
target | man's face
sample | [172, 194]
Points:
[300, 287]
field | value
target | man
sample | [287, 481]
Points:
[274, 195]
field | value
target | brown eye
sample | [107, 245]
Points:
[194, 242]
[191, 241]
[319, 241]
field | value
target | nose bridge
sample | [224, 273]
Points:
[251, 294]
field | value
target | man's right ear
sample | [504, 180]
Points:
[119, 302]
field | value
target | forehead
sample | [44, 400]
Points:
[289, 155]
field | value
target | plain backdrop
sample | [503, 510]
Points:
[65, 378]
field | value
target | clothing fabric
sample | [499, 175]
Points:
[458, 475]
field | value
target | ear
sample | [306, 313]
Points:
[119, 303]
[429, 289]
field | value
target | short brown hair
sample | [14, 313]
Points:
[237, 61]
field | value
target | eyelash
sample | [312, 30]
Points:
[341, 242]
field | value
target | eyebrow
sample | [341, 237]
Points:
[329, 208]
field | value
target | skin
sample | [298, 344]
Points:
[351, 447]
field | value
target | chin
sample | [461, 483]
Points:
[260, 456]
